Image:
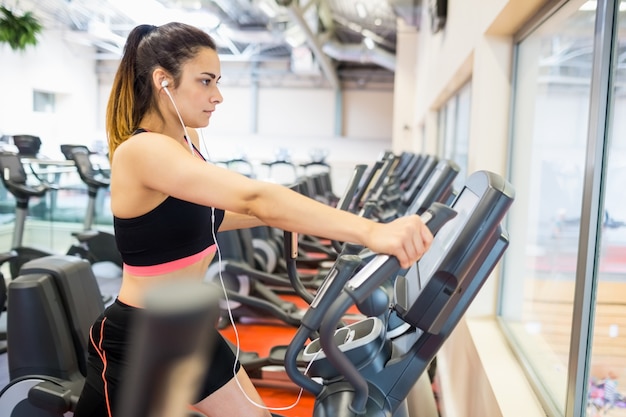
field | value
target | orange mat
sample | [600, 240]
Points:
[260, 337]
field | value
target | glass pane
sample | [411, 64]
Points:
[43, 102]
[450, 128]
[461, 146]
[607, 371]
[550, 119]
[454, 119]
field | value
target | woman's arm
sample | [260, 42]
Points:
[161, 164]
[233, 221]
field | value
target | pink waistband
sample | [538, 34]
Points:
[171, 266]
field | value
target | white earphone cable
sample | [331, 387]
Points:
[237, 342]
[206, 149]
[180, 118]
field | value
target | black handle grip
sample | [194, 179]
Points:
[437, 215]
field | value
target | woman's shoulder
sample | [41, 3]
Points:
[134, 166]
[143, 151]
[147, 142]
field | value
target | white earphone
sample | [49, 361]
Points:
[164, 84]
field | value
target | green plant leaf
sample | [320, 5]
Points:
[19, 31]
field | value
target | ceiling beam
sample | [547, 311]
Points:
[324, 60]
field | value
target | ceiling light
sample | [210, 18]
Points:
[361, 10]
[369, 43]
[294, 36]
[187, 4]
[151, 11]
[267, 8]
[155, 13]
[102, 31]
[201, 19]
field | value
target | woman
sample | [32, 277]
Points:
[168, 203]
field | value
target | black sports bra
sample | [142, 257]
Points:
[168, 237]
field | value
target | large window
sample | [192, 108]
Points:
[454, 129]
[549, 138]
[564, 284]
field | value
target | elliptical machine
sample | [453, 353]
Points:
[367, 373]
[54, 301]
[94, 245]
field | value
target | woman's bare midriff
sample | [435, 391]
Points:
[134, 287]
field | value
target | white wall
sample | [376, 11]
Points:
[404, 124]
[303, 114]
[54, 66]
[297, 113]
[363, 111]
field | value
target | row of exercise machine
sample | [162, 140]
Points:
[364, 368]
[253, 266]
[24, 185]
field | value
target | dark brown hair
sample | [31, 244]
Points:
[148, 47]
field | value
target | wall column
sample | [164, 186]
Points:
[404, 127]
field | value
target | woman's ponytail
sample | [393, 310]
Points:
[122, 115]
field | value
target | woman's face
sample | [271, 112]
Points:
[197, 93]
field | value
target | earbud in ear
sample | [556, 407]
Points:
[164, 83]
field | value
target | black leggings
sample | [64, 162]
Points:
[109, 340]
